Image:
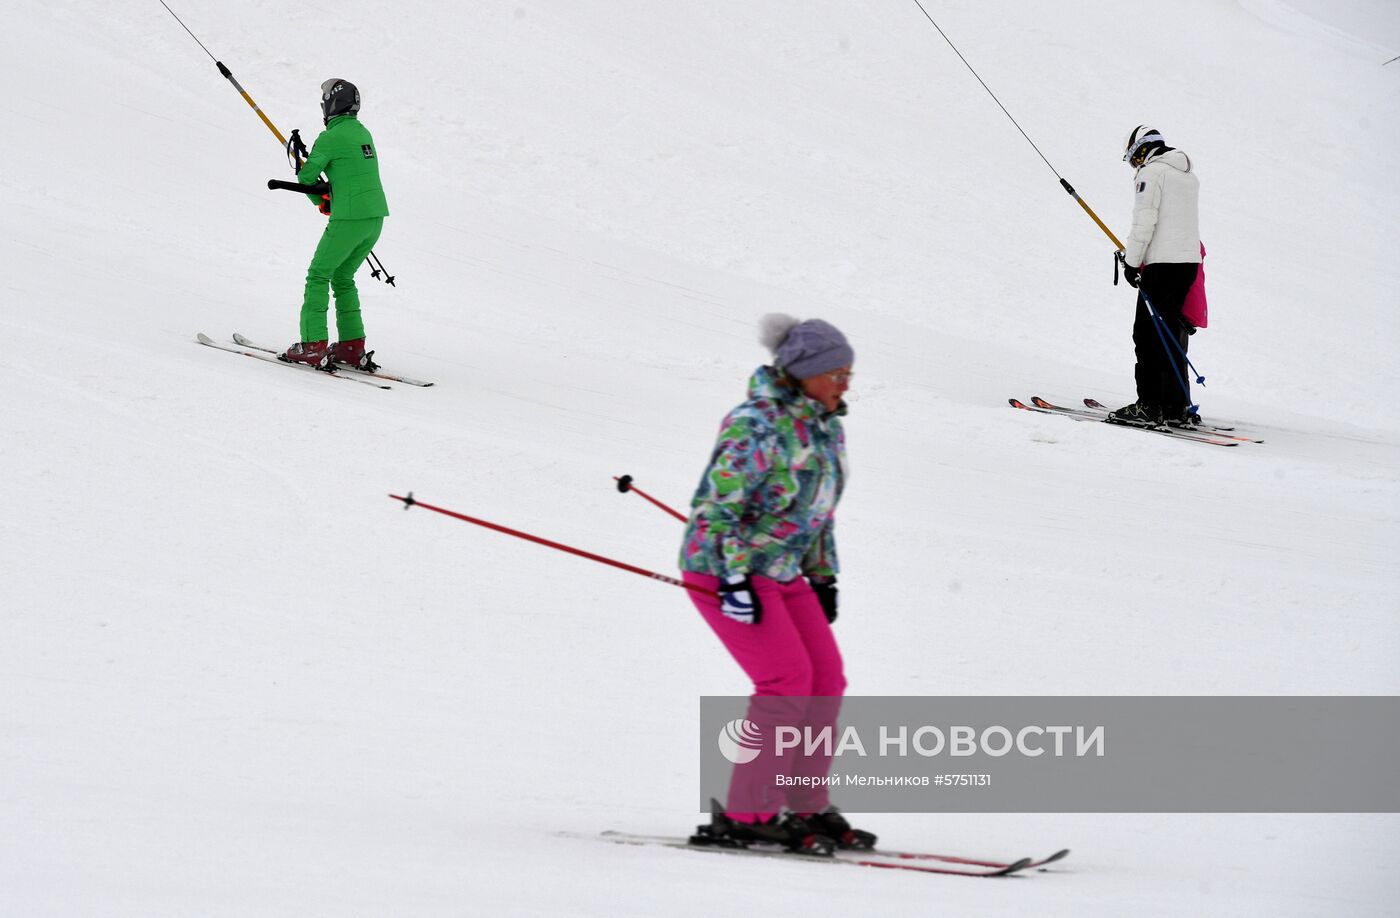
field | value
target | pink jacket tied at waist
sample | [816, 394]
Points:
[1194, 309]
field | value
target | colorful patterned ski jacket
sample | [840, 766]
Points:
[766, 503]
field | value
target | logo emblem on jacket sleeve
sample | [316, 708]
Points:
[367, 150]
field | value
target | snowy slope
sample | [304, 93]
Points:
[235, 678]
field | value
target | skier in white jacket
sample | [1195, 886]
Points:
[1161, 259]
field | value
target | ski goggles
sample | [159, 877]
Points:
[1142, 142]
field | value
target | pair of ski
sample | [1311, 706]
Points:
[919, 862]
[345, 371]
[1215, 435]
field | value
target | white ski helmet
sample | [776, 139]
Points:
[1140, 139]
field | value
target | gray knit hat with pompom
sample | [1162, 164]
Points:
[804, 349]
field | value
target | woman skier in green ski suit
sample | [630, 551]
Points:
[345, 153]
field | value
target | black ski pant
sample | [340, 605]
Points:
[1162, 380]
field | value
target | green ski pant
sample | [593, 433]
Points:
[342, 248]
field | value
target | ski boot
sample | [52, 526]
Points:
[353, 354]
[832, 824]
[311, 353]
[1137, 415]
[1186, 420]
[786, 829]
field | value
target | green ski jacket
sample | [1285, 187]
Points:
[345, 153]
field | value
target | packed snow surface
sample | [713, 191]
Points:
[237, 679]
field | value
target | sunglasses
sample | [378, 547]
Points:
[840, 376]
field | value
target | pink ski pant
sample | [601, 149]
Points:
[792, 658]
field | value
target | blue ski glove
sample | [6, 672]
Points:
[825, 588]
[739, 600]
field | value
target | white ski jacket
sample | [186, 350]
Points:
[1166, 227]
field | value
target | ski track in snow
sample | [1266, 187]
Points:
[1289, 18]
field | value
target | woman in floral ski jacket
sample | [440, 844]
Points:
[761, 538]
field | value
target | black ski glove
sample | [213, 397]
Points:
[739, 600]
[825, 588]
[1130, 274]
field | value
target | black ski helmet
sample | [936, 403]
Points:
[338, 97]
[1142, 140]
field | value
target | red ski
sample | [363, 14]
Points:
[964, 867]
[1079, 415]
[954, 859]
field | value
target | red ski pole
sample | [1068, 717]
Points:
[409, 501]
[624, 484]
